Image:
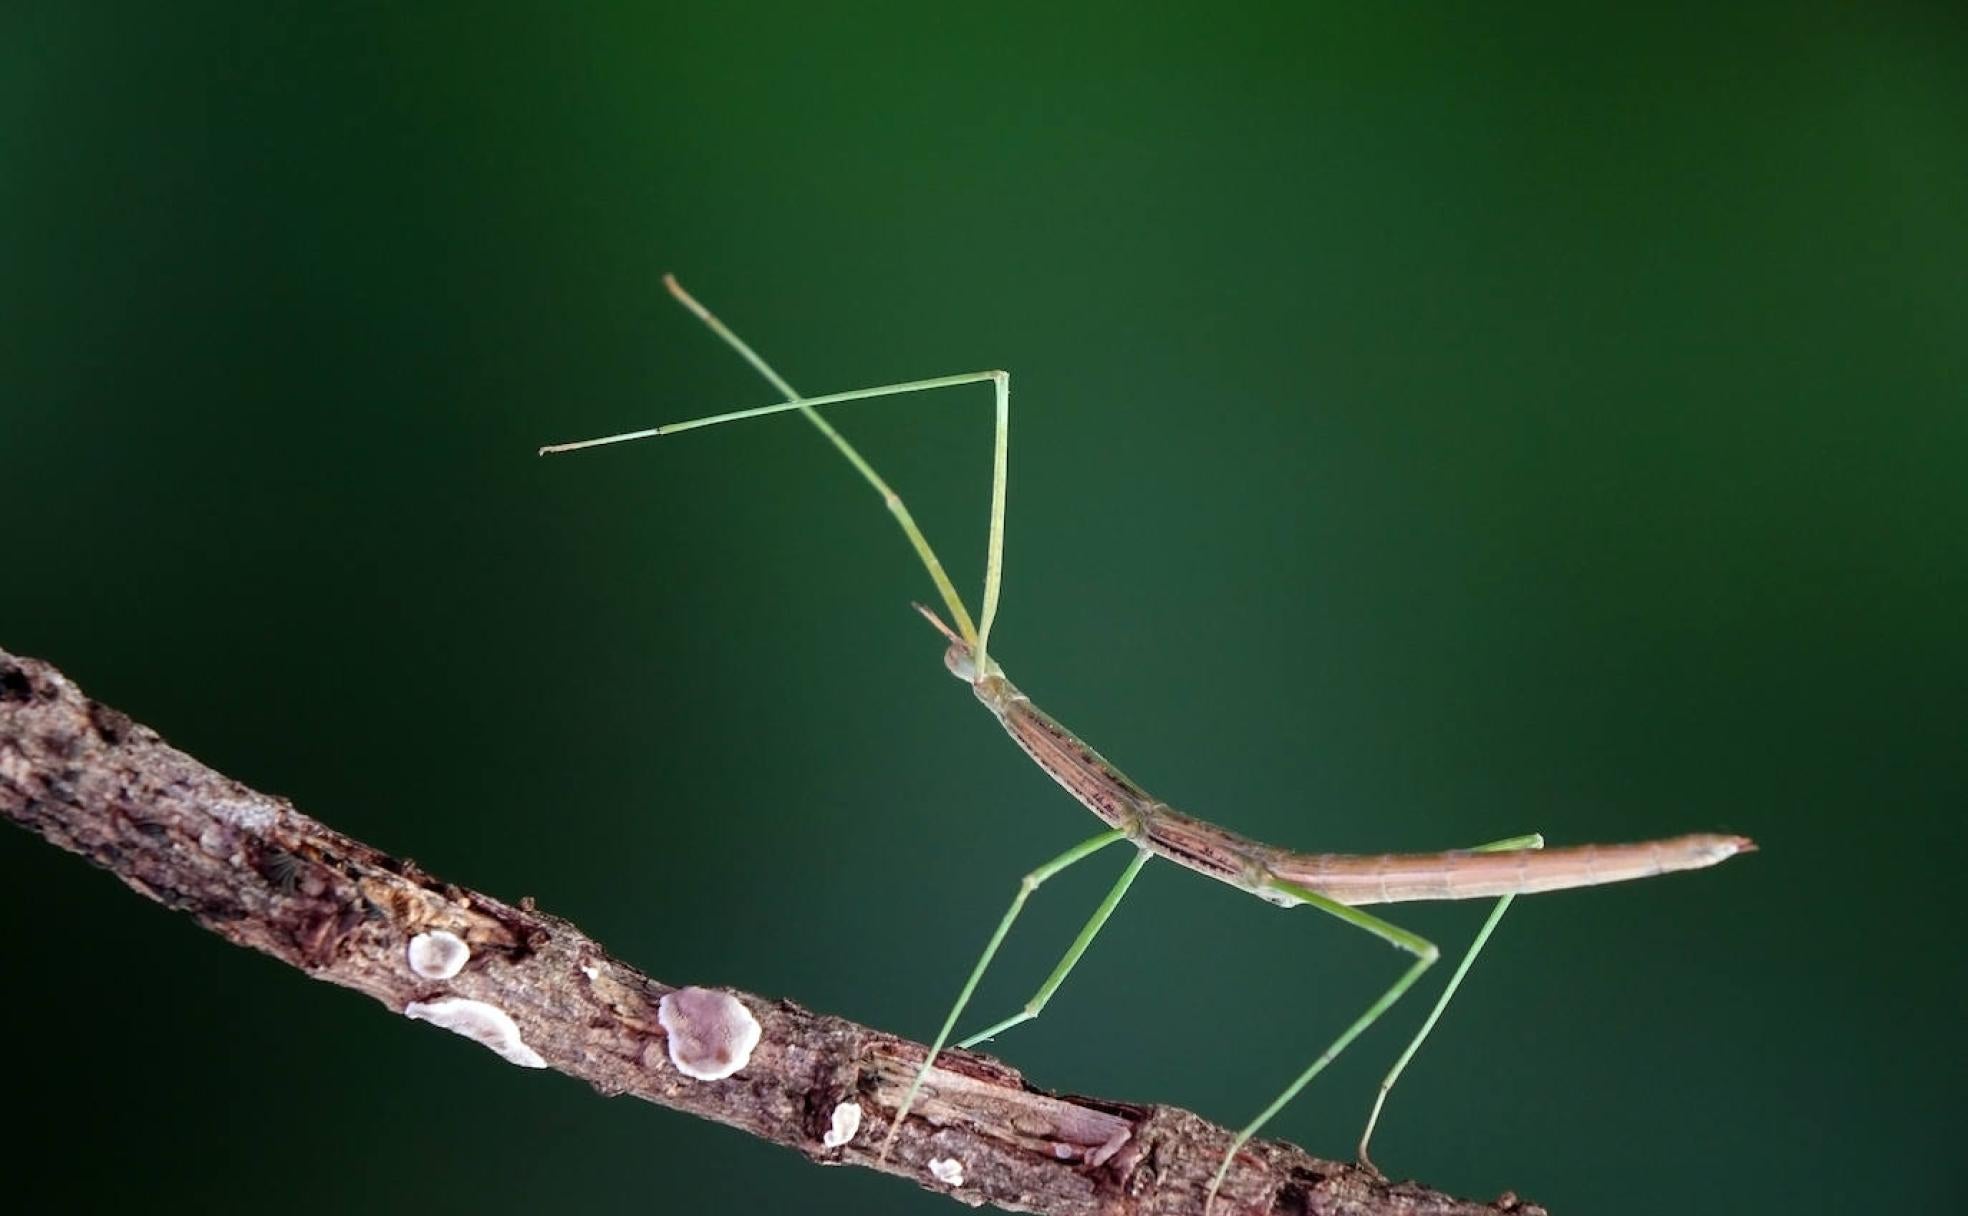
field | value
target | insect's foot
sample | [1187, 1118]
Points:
[888, 1141]
[1363, 1162]
[1209, 1200]
[1216, 1183]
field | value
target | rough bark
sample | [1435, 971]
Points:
[259, 873]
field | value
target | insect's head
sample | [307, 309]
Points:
[960, 661]
[959, 658]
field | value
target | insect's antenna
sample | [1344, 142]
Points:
[929, 614]
[890, 498]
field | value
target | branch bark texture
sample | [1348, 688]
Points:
[259, 873]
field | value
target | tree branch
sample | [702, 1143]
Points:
[259, 873]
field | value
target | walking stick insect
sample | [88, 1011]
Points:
[1334, 883]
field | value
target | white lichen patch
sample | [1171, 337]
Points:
[946, 1170]
[847, 1121]
[711, 1034]
[246, 814]
[218, 840]
[14, 766]
[438, 955]
[592, 971]
[480, 1022]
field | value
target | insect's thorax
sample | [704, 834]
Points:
[1083, 772]
[1106, 791]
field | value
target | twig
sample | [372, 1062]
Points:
[259, 873]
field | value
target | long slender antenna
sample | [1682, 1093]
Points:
[929, 614]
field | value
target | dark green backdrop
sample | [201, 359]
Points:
[1428, 428]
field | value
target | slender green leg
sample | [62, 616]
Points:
[977, 634]
[1425, 955]
[1073, 952]
[994, 546]
[1532, 841]
[1030, 883]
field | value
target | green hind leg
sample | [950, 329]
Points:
[1532, 841]
[1425, 955]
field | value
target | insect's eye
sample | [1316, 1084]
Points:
[957, 659]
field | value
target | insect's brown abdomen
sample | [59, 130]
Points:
[1401, 877]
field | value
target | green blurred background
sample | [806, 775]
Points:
[1427, 428]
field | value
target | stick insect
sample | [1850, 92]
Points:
[1336, 884]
